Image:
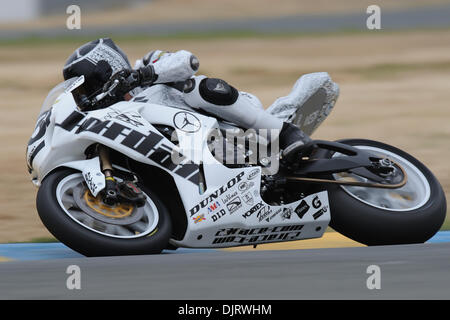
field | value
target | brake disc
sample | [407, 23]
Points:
[119, 214]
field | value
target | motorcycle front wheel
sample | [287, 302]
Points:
[85, 224]
[377, 216]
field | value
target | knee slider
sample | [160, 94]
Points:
[218, 92]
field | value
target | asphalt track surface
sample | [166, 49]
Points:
[436, 16]
[407, 272]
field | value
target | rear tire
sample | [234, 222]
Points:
[88, 242]
[371, 225]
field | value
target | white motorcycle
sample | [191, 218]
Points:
[369, 191]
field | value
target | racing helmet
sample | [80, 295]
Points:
[97, 61]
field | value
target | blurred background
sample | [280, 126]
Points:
[395, 81]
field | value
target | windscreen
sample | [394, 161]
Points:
[64, 87]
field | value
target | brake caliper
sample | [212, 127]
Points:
[129, 192]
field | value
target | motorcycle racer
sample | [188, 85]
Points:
[102, 62]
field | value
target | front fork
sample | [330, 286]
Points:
[115, 192]
[111, 188]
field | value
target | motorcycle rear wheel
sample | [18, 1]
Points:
[374, 216]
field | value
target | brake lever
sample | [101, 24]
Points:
[109, 92]
[125, 81]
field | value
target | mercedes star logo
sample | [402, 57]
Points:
[186, 122]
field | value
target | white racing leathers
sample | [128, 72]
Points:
[218, 98]
[244, 109]
[214, 96]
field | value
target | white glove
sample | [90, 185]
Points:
[170, 66]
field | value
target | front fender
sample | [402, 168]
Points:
[91, 171]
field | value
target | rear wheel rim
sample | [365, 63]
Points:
[142, 222]
[413, 195]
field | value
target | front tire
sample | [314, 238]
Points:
[375, 217]
[95, 234]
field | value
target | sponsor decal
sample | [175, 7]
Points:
[287, 213]
[253, 174]
[316, 203]
[127, 117]
[267, 214]
[215, 195]
[244, 186]
[186, 122]
[263, 213]
[248, 198]
[199, 218]
[218, 215]
[104, 52]
[320, 213]
[257, 235]
[234, 204]
[302, 209]
[229, 196]
[90, 182]
[253, 210]
[213, 206]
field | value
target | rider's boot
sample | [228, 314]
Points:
[294, 143]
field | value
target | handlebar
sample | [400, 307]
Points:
[126, 80]
[121, 83]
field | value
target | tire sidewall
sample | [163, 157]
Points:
[374, 226]
[90, 243]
